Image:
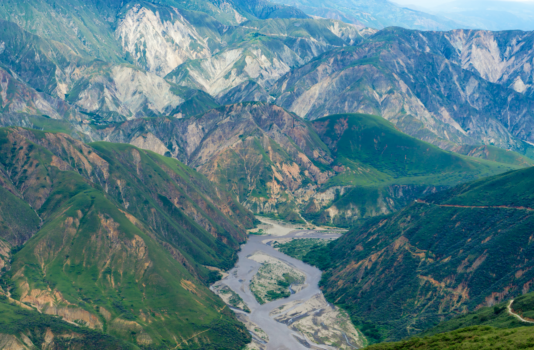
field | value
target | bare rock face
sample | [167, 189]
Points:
[259, 152]
[125, 91]
[503, 58]
[159, 41]
[265, 52]
[18, 97]
[150, 142]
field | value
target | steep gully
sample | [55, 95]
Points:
[280, 335]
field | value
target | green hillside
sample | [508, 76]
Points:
[44, 331]
[124, 240]
[470, 338]
[386, 169]
[496, 154]
[486, 328]
[376, 152]
[455, 251]
[496, 316]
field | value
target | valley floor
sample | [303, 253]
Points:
[304, 320]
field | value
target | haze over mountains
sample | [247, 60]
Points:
[140, 138]
[490, 15]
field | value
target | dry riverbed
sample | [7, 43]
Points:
[287, 308]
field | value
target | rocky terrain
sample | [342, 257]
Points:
[321, 321]
[187, 48]
[477, 83]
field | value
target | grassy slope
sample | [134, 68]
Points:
[470, 338]
[524, 306]
[377, 153]
[100, 254]
[401, 274]
[374, 156]
[495, 316]
[147, 199]
[16, 321]
[18, 221]
[495, 154]
[486, 328]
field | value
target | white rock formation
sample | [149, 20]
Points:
[157, 45]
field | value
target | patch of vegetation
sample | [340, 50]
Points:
[125, 257]
[231, 298]
[496, 316]
[15, 320]
[524, 306]
[273, 280]
[298, 248]
[387, 168]
[260, 232]
[469, 338]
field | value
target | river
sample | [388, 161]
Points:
[280, 335]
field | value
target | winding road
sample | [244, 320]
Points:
[280, 335]
[511, 312]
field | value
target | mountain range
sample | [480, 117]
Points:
[184, 63]
[139, 139]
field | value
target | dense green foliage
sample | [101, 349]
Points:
[298, 248]
[375, 152]
[524, 306]
[496, 316]
[496, 154]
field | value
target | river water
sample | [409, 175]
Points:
[280, 335]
